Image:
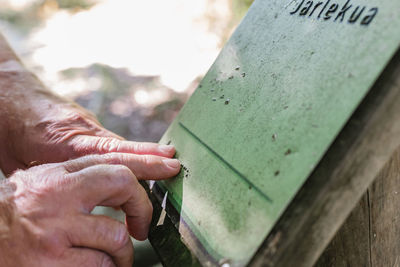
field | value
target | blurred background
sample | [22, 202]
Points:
[133, 63]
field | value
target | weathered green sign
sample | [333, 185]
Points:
[264, 115]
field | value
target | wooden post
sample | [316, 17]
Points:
[370, 235]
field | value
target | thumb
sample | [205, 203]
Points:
[104, 234]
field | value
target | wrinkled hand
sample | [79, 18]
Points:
[45, 211]
[44, 128]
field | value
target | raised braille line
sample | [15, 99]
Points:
[244, 178]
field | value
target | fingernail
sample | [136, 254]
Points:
[172, 163]
[166, 148]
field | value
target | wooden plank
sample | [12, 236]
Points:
[384, 206]
[351, 245]
[369, 237]
[352, 162]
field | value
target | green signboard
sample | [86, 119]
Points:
[268, 109]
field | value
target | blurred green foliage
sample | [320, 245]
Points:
[35, 13]
[239, 8]
[24, 20]
[74, 4]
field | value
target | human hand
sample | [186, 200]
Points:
[45, 211]
[44, 128]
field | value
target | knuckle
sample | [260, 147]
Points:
[82, 119]
[102, 145]
[105, 261]
[121, 237]
[107, 144]
[147, 160]
[111, 158]
[124, 174]
[138, 146]
[53, 243]
[113, 233]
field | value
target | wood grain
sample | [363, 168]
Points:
[370, 236]
[350, 246]
[385, 217]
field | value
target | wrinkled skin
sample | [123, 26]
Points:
[45, 210]
[45, 213]
[44, 128]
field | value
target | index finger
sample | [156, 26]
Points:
[112, 186]
[143, 166]
[85, 144]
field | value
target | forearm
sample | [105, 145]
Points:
[16, 83]
[21, 92]
[39, 127]
[23, 100]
